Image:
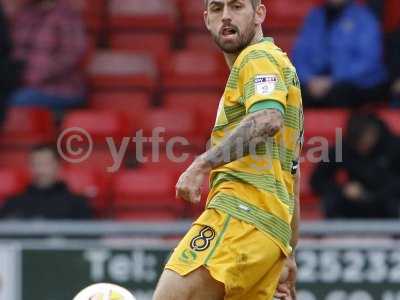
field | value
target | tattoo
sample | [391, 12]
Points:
[252, 130]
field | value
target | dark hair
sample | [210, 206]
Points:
[254, 3]
[359, 123]
[45, 147]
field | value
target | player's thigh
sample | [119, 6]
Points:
[198, 285]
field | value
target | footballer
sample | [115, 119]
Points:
[242, 246]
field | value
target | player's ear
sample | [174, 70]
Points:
[260, 14]
[205, 16]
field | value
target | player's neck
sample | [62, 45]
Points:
[230, 58]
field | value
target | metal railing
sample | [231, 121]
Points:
[165, 229]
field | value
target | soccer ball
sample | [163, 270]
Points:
[104, 291]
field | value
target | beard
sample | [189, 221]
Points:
[243, 39]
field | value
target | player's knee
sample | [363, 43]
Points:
[171, 287]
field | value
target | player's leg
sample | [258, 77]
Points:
[198, 285]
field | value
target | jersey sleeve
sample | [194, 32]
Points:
[260, 79]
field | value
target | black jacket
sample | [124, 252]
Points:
[393, 49]
[56, 202]
[378, 172]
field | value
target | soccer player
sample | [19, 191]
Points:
[242, 246]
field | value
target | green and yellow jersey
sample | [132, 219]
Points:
[259, 187]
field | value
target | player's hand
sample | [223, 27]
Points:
[354, 191]
[396, 87]
[189, 184]
[320, 86]
[286, 289]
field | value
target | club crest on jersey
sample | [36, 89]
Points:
[265, 84]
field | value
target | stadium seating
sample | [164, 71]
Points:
[194, 70]
[154, 15]
[175, 164]
[324, 123]
[12, 182]
[203, 41]
[93, 11]
[145, 194]
[175, 123]
[119, 70]
[287, 14]
[309, 202]
[98, 124]
[205, 104]
[392, 119]
[91, 184]
[154, 52]
[134, 106]
[26, 126]
[192, 15]
[156, 44]
[101, 161]
[14, 157]
[284, 39]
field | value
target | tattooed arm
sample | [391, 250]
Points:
[255, 127]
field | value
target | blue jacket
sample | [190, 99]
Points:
[351, 49]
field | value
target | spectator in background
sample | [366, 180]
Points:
[339, 56]
[9, 69]
[50, 40]
[366, 183]
[47, 197]
[393, 46]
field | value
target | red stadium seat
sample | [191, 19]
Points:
[16, 158]
[205, 104]
[175, 164]
[90, 184]
[204, 41]
[156, 44]
[98, 124]
[12, 182]
[27, 126]
[309, 202]
[133, 105]
[392, 119]
[192, 12]
[284, 39]
[324, 123]
[194, 70]
[175, 123]
[100, 161]
[287, 14]
[93, 11]
[146, 192]
[143, 15]
[307, 194]
[122, 70]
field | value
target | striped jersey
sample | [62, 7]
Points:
[259, 187]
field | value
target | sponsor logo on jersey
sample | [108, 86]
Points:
[265, 84]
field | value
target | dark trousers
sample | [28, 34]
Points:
[336, 206]
[346, 95]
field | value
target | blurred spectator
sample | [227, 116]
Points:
[339, 56]
[46, 197]
[50, 40]
[366, 183]
[393, 46]
[7, 66]
[377, 7]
